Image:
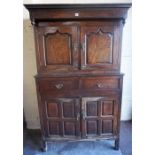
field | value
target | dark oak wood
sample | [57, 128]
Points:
[75, 6]
[100, 82]
[56, 47]
[101, 45]
[63, 117]
[63, 11]
[79, 84]
[58, 84]
[99, 116]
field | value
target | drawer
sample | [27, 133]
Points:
[100, 83]
[58, 84]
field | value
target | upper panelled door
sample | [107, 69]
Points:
[101, 44]
[56, 46]
[99, 116]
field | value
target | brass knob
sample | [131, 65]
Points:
[100, 85]
[59, 86]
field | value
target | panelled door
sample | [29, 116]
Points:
[70, 118]
[100, 45]
[99, 116]
[57, 46]
[60, 46]
[62, 117]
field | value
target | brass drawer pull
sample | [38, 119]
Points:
[59, 86]
[100, 85]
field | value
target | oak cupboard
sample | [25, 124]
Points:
[79, 84]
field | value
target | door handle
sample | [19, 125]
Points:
[83, 47]
[75, 46]
[83, 115]
[77, 116]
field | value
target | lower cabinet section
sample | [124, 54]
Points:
[80, 118]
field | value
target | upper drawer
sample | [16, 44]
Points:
[100, 82]
[58, 84]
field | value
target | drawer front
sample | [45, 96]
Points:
[58, 84]
[100, 83]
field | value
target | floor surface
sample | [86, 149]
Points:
[126, 138]
[32, 143]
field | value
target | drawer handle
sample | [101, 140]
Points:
[100, 85]
[59, 86]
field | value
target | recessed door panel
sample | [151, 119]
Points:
[53, 109]
[107, 107]
[107, 126]
[91, 127]
[69, 128]
[69, 110]
[100, 46]
[56, 50]
[54, 128]
[91, 108]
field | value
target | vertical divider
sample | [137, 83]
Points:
[99, 109]
[61, 117]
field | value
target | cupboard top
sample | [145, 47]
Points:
[74, 6]
[44, 12]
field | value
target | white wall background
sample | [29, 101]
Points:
[29, 96]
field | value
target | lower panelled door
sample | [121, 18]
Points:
[62, 118]
[99, 117]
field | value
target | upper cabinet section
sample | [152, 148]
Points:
[78, 37]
